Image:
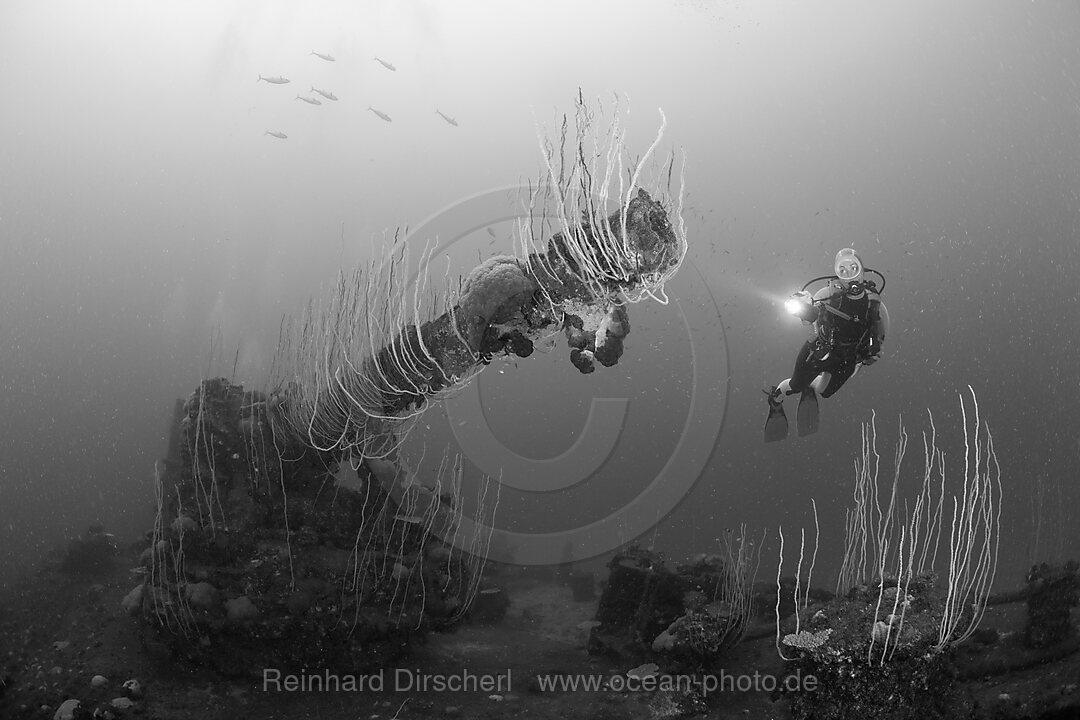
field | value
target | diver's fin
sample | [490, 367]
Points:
[808, 412]
[776, 424]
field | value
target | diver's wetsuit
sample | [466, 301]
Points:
[841, 342]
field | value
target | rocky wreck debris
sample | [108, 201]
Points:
[863, 665]
[1052, 593]
[686, 617]
[260, 557]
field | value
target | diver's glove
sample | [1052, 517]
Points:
[871, 353]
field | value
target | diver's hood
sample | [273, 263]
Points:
[848, 266]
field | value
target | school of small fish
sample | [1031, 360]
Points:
[311, 99]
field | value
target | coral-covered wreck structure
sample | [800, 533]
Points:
[290, 531]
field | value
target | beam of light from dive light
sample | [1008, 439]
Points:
[745, 286]
[742, 286]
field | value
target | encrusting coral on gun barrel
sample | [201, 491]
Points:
[361, 365]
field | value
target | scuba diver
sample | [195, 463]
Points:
[850, 323]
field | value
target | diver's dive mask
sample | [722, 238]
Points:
[848, 267]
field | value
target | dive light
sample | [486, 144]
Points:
[801, 305]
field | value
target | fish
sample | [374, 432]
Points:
[275, 80]
[309, 101]
[382, 115]
[327, 58]
[279, 135]
[386, 65]
[325, 93]
[450, 120]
